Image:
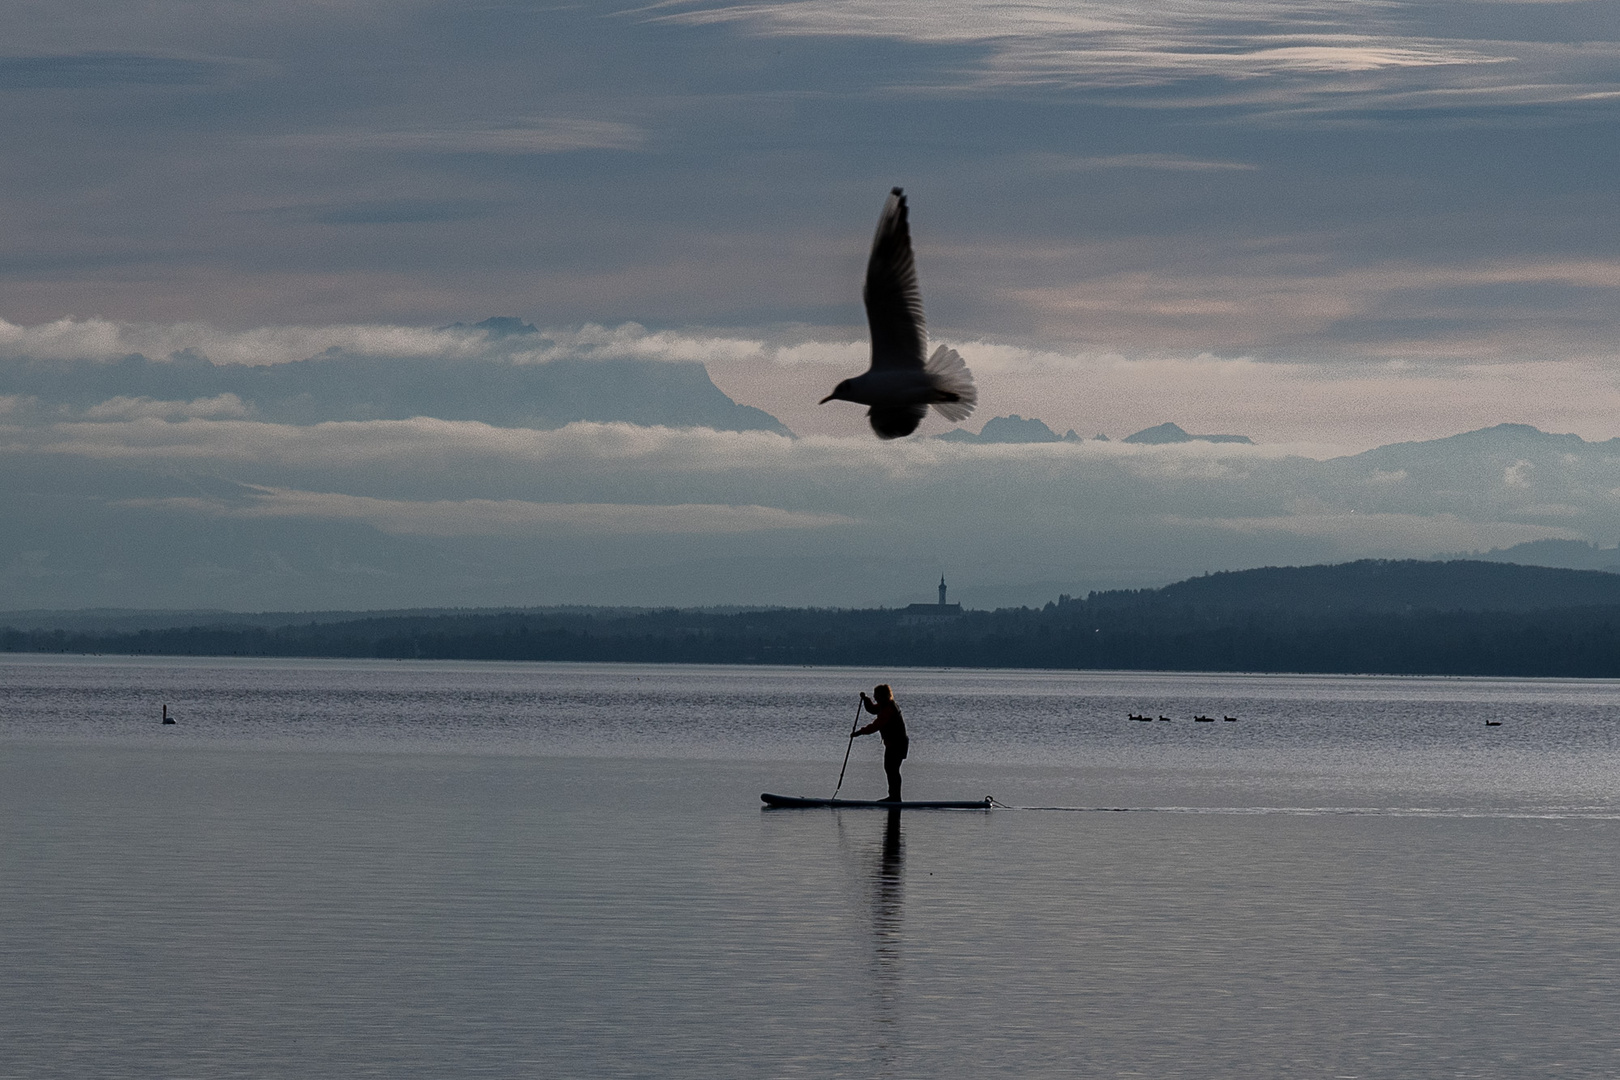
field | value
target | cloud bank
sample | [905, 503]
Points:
[1267, 55]
[468, 372]
[494, 517]
[150, 503]
[1328, 226]
[1294, 180]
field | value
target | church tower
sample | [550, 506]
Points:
[924, 614]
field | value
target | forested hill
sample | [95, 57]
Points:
[1379, 585]
[1456, 618]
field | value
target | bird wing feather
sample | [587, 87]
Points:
[895, 421]
[894, 308]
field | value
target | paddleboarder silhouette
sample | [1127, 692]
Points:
[892, 726]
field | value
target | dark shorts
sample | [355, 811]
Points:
[895, 752]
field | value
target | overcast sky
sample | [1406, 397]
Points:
[1325, 225]
[1360, 195]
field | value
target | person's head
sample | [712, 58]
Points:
[882, 692]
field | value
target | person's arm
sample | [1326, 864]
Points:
[870, 707]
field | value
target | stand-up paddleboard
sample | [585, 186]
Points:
[795, 802]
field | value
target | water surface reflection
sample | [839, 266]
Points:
[886, 876]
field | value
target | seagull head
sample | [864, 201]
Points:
[841, 392]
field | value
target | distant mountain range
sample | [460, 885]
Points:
[494, 388]
[1010, 429]
[1567, 554]
[1484, 451]
[1172, 433]
[285, 515]
[1019, 429]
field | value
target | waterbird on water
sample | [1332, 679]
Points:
[900, 385]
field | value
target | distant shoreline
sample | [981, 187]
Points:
[1365, 618]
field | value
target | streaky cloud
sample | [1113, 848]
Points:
[134, 408]
[1307, 52]
[543, 135]
[96, 338]
[498, 517]
[1162, 162]
[74, 71]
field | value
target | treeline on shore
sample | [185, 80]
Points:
[1200, 625]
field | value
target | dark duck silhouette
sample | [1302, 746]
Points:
[900, 385]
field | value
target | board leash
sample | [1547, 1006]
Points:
[847, 748]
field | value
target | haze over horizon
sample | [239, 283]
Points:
[1330, 227]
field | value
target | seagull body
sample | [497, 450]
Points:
[900, 385]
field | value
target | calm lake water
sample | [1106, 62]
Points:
[438, 870]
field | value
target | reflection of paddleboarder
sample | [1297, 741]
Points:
[892, 726]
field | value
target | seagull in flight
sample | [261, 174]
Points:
[900, 385]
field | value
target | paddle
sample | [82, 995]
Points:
[850, 745]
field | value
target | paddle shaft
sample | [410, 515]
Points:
[847, 748]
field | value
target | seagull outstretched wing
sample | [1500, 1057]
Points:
[894, 308]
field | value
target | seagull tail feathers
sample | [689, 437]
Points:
[953, 382]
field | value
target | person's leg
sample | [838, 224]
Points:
[892, 757]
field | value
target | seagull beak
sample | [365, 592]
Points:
[826, 399]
